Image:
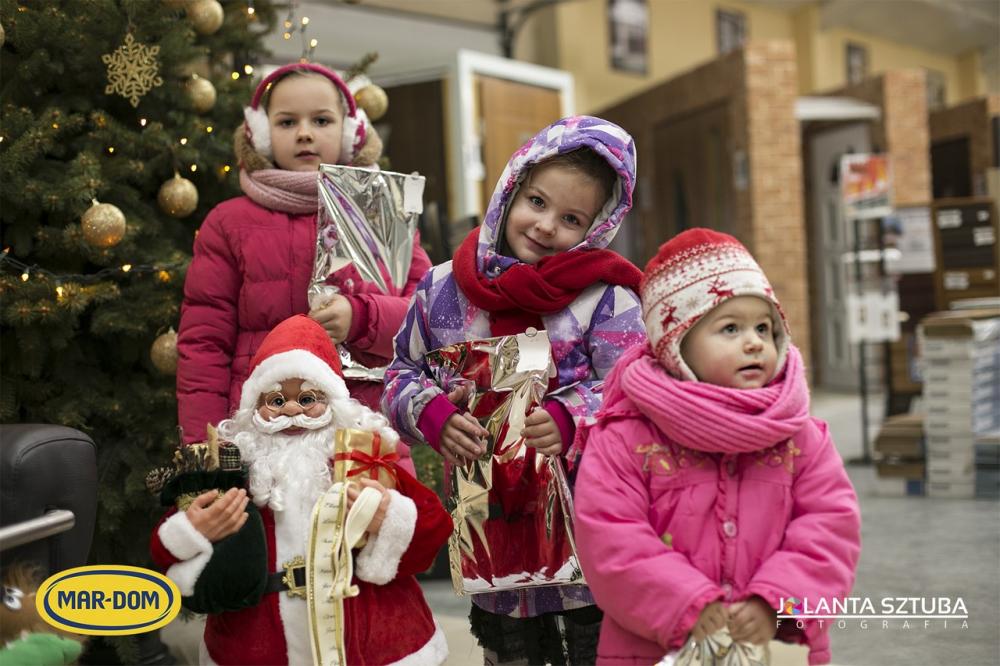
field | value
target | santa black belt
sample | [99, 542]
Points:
[292, 579]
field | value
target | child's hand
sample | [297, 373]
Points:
[710, 620]
[225, 516]
[353, 490]
[541, 432]
[752, 621]
[336, 317]
[460, 395]
[462, 439]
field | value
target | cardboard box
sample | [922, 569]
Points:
[950, 490]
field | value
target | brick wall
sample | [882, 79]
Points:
[777, 232]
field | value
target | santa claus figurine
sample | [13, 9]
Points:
[238, 555]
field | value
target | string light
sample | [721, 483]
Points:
[235, 75]
[26, 271]
[313, 42]
[288, 24]
[184, 140]
[248, 69]
[163, 276]
[287, 35]
[111, 150]
[55, 125]
[60, 292]
[305, 20]
[142, 122]
[209, 129]
[194, 167]
[227, 168]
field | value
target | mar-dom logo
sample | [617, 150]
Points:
[108, 600]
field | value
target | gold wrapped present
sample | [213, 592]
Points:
[360, 454]
[511, 495]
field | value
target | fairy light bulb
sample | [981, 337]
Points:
[126, 268]
[25, 276]
[248, 69]
[184, 140]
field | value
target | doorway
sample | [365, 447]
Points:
[836, 360]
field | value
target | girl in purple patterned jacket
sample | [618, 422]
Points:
[539, 259]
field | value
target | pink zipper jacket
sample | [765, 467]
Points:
[690, 493]
[251, 270]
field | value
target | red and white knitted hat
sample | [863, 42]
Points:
[356, 125]
[297, 348]
[690, 275]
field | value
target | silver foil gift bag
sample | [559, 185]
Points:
[512, 506]
[367, 218]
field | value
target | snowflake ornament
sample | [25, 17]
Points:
[133, 70]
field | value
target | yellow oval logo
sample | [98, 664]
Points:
[108, 600]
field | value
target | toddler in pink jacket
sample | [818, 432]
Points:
[253, 256]
[707, 494]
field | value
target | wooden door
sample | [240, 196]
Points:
[509, 114]
[693, 173]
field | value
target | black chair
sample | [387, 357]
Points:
[48, 495]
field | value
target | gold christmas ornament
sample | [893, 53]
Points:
[3, 36]
[373, 100]
[163, 353]
[178, 197]
[205, 15]
[201, 92]
[103, 225]
[133, 70]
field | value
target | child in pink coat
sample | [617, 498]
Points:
[707, 494]
[253, 256]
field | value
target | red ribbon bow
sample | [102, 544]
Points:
[370, 463]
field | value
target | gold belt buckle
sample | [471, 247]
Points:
[289, 578]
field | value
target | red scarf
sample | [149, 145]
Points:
[521, 294]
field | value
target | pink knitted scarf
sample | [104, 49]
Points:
[295, 192]
[707, 417]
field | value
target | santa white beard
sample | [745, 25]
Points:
[287, 473]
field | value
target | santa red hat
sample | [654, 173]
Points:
[356, 125]
[297, 348]
[691, 275]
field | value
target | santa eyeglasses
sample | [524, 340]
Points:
[310, 401]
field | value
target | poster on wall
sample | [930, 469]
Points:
[865, 186]
[873, 316]
[909, 230]
[628, 28]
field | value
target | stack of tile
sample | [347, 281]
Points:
[899, 455]
[961, 394]
[988, 465]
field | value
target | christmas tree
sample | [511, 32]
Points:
[115, 140]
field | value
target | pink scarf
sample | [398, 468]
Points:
[707, 417]
[295, 192]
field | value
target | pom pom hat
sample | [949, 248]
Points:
[297, 348]
[258, 129]
[691, 275]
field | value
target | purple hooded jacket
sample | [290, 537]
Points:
[587, 337]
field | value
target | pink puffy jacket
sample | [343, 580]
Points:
[663, 530]
[250, 271]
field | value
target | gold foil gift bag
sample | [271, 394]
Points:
[512, 506]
